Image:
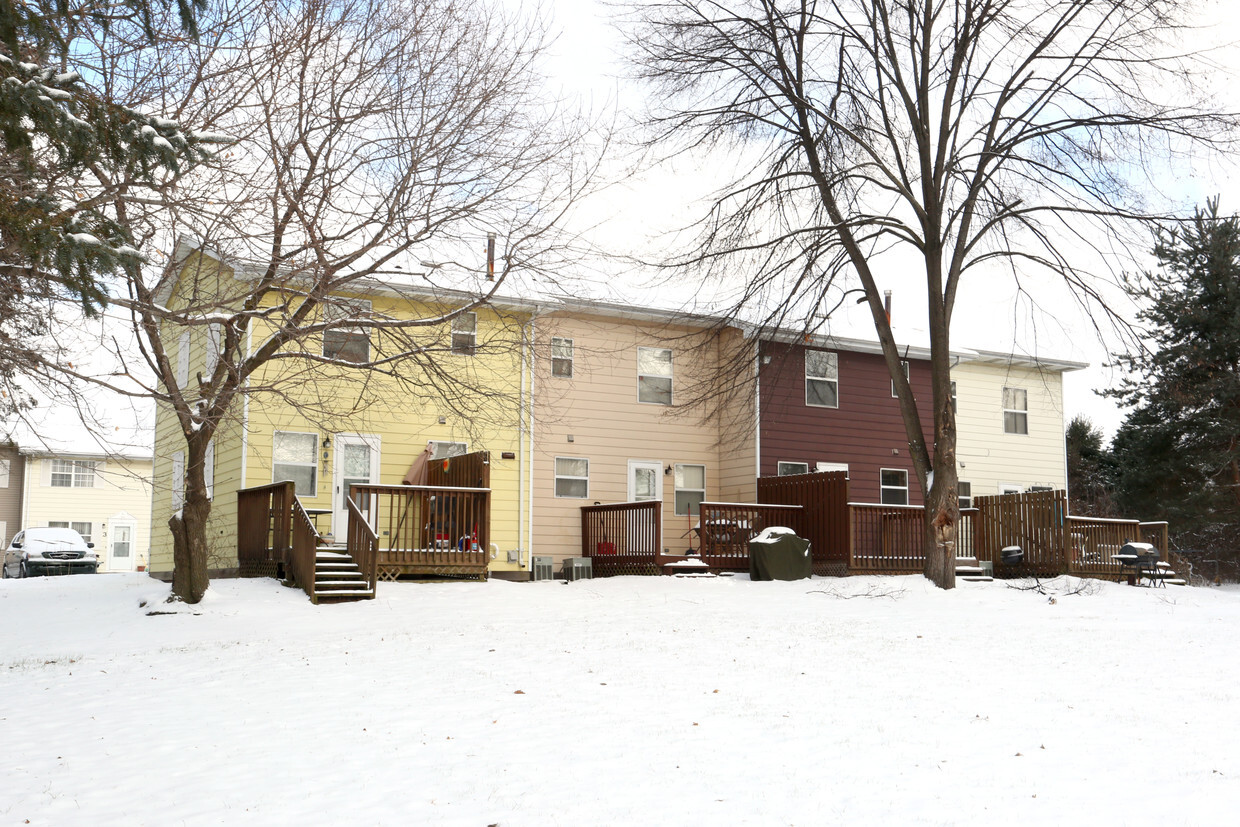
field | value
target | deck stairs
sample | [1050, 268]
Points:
[337, 578]
[969, 570]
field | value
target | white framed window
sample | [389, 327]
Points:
[178, 480]
[71, 473]
[208, 469]
[1015, 411]
[822, 375]
[561, 357]
[294, 456]
[964, 490]
[443, 450]
[213, 350]
[787, 469]
[654, 375]
[690, 489]
[572, 477]
[893, 486]
[903, 367]
[1010, 488]
[347, 344]
[465, 334]
[182, 376]
[1033, 489]
[81, 528]
[4, 473]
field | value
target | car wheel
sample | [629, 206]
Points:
[21, 571]
[4, 571]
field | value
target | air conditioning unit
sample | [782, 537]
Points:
[578, 568]
[541, 568]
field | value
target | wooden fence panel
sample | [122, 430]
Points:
[825, 520]
[623, 538]
[464, 471]
[1036, 521]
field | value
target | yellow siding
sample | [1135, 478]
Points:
[122, 487]
[989, 457]
[598, 409]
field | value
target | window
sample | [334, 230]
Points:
[68, 473]
[572, 477]
[654, 375]
[1009, 488]
[4, 473]
[903, 367]
[213, 350]
[347, 344]
[965, 492]
[178, 480]
[81, 528]
[208, 469]
[182, 376]
[562, 357]
[822, 373]
[1033, 489]
[787, 469]
[831, 466]
[465, 334]
[953, 397]
[893, 486]
[443, 450]
[1015, 411]
[295, 457]
[690, 489]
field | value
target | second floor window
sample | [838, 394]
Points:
[822, 373]
[69, 473]
[654, 375]
[562, 357]
[1015, 411]
[465, 334]
[352, 343]
[903, 367]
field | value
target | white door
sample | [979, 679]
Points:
[357, 463]
[120, 547]
[645, 483]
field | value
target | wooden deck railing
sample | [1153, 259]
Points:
[1093, 541]
[423, 529]
[724, 530]
[264, 528]
[303, 545]
[363, 544]
[890, 539]
[1155, 534]
[623, 538]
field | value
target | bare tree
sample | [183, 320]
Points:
[981, 137]
[366, 136]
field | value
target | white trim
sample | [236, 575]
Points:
[339, 510]
[633, 464]
[882, 488]
[556, 476]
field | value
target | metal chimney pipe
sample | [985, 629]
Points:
[887, 304]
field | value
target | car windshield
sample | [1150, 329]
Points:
[53, 536]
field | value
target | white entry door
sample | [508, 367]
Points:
[645, 483]
[357, 463]
[120, 547]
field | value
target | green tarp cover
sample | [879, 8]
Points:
[782, 557]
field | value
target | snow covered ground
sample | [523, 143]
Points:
[622, 701]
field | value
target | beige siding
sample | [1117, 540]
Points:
[990, 458]
[10, 492]
[122, 488]
[598, 410]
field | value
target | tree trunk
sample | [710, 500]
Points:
[942, 514]
[189, 532]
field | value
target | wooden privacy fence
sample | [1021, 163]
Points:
[623, 538]
[464, 471]
[725, 529]
[422, 529]
[1036, 521]
[823, 497]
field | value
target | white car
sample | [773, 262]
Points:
[37, 551]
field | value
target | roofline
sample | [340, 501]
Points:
[45, 453]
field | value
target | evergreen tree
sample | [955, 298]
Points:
[70, 157]
[1089, 470]
[1178, 452]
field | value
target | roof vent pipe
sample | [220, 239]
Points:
[491, 257]
[887, 304]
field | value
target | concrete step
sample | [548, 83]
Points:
[966, 561]
[976, 578]
[963, 571]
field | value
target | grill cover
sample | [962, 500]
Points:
[779, 554]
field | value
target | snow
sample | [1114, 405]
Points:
[619, 701]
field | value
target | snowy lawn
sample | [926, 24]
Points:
[622, 701]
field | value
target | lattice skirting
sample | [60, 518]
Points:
[260, 568]
[390, 572]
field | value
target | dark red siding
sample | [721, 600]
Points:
[865, 431]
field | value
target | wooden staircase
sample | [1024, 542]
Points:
[337, 578]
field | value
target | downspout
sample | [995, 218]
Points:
[25, 514]
[525, 343]
[529, 522]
